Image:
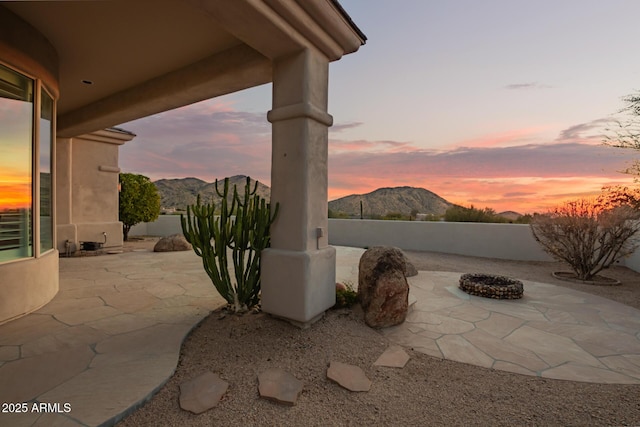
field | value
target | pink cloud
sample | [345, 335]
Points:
[528, 178]
[502, 171]
[340, 146]
[508, 138]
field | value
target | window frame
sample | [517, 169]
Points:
[34, 221]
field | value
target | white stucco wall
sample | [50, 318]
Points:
[506, 241]
[165, 225]
[503, 241]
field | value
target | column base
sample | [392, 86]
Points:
[298, 285]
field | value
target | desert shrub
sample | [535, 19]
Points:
[589, 235]
[395, 216]
[346, 295]
[472, 214]
[338, 214]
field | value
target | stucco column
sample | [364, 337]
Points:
[299, 270]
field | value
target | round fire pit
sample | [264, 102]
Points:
[491, 286]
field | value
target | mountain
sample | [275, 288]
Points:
[176, 194]
[510, 215]
[383, 201]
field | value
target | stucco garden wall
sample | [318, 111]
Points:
[504, 241]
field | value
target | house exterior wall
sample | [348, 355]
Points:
[28, 283]
[87, 188]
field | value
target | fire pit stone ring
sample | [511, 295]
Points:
[491, 286]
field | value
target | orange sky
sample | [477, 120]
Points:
[14, 195]
[524, 195]
[523, 169]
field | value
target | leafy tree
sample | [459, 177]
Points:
[590, 235]
[139, 201]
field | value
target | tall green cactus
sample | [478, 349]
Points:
[243, 230]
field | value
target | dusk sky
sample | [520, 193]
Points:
[495, 103]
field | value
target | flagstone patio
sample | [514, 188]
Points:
[112, 336]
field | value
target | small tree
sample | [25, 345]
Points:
[589, 235]
[139, 201]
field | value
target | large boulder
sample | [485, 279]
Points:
[409, 270]
[382, 286]
[173, 243]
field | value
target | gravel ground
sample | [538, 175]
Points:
[427, 391]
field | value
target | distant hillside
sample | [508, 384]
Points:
[510, 215]
[383, 201]
[177, 194]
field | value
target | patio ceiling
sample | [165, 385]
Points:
[120, 60]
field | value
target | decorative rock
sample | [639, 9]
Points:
[279, 385]
[393, 357]
[202, 393]
[348, 376]
[383, 287]
[173, 243]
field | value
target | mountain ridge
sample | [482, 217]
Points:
[177, 193]
[404, 200]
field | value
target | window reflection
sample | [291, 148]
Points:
[16, 128]
[46, 139]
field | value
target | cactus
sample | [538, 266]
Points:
[242, 228]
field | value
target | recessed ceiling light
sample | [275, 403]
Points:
[87, 82]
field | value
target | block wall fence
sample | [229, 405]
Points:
[487, 240]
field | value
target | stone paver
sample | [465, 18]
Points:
[107, 341]
[552, 332]
[112, 335]
[27, 378]
[393, 357]
[350, 377]
[280, 386]
[202, 393]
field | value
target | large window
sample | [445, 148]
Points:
[16, 159]
[18, 96]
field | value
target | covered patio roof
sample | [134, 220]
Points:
[121, 60]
